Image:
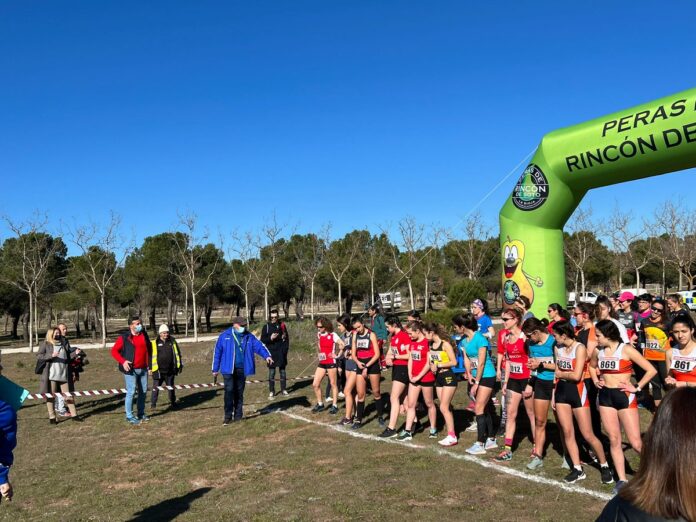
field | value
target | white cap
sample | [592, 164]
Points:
[163, 328]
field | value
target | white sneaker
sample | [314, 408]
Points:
[328, 398]
[473, 428]
[476, 449]
[271, 395]
[491, 444]
[341, 395]
[449, 440]
[285, 393]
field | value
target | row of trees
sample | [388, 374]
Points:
[188, 273]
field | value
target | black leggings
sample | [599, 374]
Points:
[340, 377]
[271, 379]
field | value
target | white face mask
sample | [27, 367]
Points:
[239, 330]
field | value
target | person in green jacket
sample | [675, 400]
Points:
[378, 326]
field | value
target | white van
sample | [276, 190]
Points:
[390, 300]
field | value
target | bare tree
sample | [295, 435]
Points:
[473, 251]
[340, 256]
[26, 261]
[241, 250]
[578, 246]
[103, 251]
[373, 254]
[269, 245]
[310, 259]
[677, 225]
[628, 240]
[191, 249]
[412, 241]
[430, 259]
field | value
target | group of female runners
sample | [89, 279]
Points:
[588, 373]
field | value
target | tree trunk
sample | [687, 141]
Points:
[31, 321]
[311, 300]
[238, 308]
[372, 288]
[103, 319]
[15, 323]
[152, 319]
[427, 300]
[208, 313]
[26, 336]
[265, 302]
[251, 313]
[175, 319]
[170, 305]
[286, 309]
[349, 302]
[637, 279]
[186, 315]
[681, 278]
[246, 306]
[582, 280]
[195, 318]
[340, 301]
[77, 322]
[664, 285]
[410, 293]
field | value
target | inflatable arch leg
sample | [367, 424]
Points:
[647, 140]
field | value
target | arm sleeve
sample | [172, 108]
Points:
[217, 355]
[259, 348]
[265, 335]
[116, 350]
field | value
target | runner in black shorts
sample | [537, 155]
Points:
[351, 368]
[442, 359]
[366, 356]
[397, 358]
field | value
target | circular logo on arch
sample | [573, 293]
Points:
[531, 190]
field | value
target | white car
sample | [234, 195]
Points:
[689, 297]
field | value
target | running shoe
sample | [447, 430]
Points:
[404, 435]
[333, 410]
[382, 421]
[575, 475]
[284, 393]
[619, 485]
[328, 398]
[271, 395]
[356, 425]
[472, 427]
[504, 456]
[317, 408]
[144, 418]
[536, 463]
[433, 433]
[64, 413]
[129, 420]
[449, 440]
[341, 395]
[491, 444]
[388, 433]
[607, 475]
[476, 449]
[345, 421]
[225, 422]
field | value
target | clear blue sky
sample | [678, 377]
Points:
[354, 112]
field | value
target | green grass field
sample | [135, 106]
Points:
[185, 465]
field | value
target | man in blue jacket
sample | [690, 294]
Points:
[234, 359]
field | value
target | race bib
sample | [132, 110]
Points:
[322, 356]
[363, 344]
[516, 368]
[545, 361]
[474, 363]
[683, 365]
[395, 350]
[416, 356]
[609, 365]
[565, 365]
[435, 357]
[653, 344]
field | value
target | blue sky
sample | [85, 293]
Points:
[351, 112]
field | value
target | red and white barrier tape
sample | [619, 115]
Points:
[119, 391]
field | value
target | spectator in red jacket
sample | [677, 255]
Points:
[133, 352]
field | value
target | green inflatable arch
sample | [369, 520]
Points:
[651, 139]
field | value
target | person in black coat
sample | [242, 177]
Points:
[275, 336]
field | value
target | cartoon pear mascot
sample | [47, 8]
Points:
[516, 280]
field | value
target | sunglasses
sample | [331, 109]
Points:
[506, 319]
[654, 309]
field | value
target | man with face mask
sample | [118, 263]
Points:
[234, 359]
[133, 352]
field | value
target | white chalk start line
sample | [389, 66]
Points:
[121, 391]
[459, 456]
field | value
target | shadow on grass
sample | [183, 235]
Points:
[285, 404]
[169, 509]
